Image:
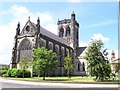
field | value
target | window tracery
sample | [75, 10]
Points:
[25, 49]
[78, 66]
[67, 31]
[25, 45]
[61, 32]
[28, 28]
[83, 66]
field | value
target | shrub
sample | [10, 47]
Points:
[9, 72]
[3, 72]
[19, 73]
[4, 75]
[14, 72]
[27, 73]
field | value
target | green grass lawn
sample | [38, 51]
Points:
[75, 79]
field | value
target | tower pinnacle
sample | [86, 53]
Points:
[29, 18]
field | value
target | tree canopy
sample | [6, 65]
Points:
[68, 64]
[98, 64]
[44, 61]
[117, 67]
[23, 64]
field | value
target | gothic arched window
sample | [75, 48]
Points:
[57, 49]
[42, 43]
[77, 35]
[67, 31]
[50, 46]
[83, 66]
[25, 49]
[78, 67]
[61, 32]
[25, 45]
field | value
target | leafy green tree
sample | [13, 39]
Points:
[98, 64]
[117, 67]
[30, 66]
[68, 64]
[23, 64]
[45, 61]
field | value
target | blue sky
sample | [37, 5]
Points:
[98, 20]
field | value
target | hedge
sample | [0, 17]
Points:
[3, 72]
[18, 73]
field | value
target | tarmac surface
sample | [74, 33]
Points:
[7, 83]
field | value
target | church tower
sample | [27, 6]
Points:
[68, 29]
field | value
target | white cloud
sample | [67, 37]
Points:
[20, 13]
[99, 36]
[6, 39]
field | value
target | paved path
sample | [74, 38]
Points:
[3, 83]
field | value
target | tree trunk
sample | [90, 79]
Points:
[31, 71]
[68, 74]
[44, 75]
[38, 74]
[23, 73]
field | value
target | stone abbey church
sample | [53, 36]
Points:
[66, 41]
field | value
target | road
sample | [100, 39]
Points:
[5, 83]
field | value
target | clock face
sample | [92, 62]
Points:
[28, 28]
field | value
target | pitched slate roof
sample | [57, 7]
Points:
[53, 36]
[45, 32]
[80, 50]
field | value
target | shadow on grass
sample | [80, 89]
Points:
[57, 79]
[111, 81]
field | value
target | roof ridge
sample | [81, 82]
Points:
[65, 42]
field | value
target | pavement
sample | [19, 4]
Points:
[60, 85]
